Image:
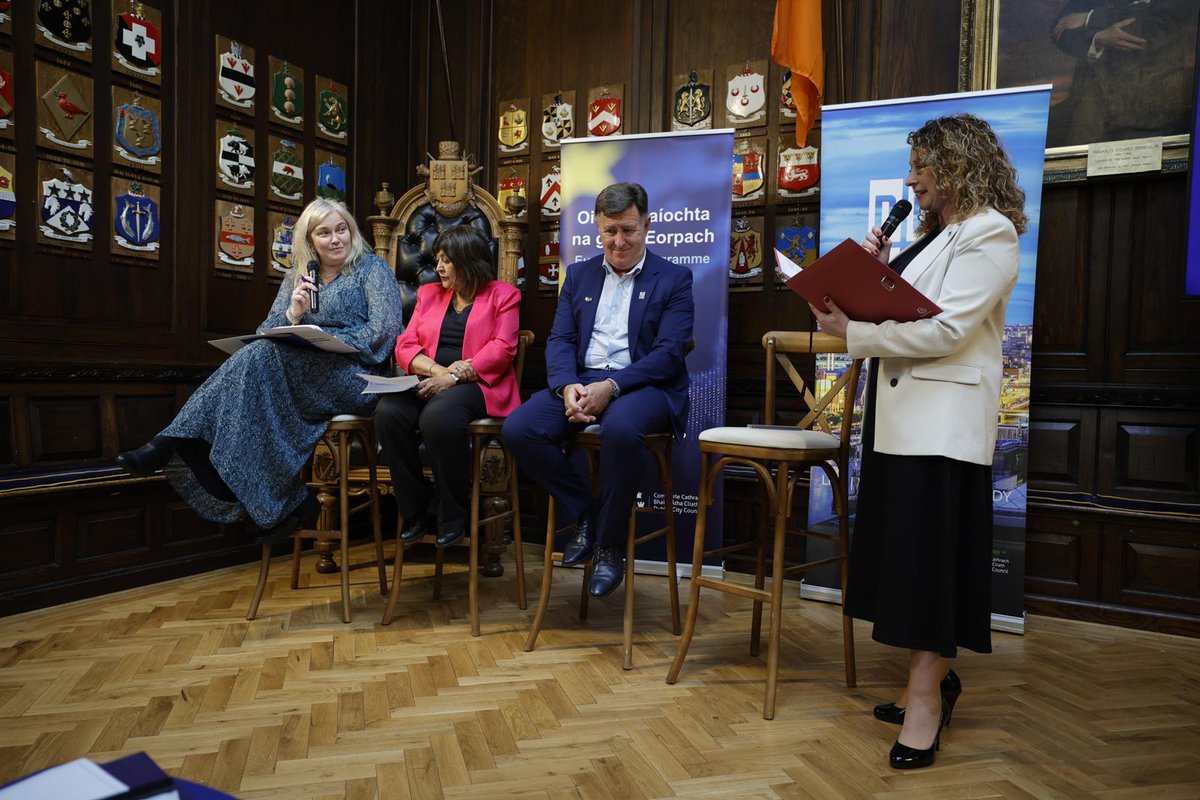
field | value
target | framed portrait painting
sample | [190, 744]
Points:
[1121, 69]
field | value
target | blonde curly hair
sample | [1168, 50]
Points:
[970, 165]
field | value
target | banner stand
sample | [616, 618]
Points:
[688, 177]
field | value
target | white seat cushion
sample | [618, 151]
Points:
[349, 418]
[778, 438]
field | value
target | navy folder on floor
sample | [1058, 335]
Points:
[137, 777]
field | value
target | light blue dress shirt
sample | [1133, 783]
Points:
[609, 346]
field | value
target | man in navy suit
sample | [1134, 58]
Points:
[615, 355]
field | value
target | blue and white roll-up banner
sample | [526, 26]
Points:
[863, 167]
[688, 178]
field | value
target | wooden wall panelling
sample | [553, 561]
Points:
[651, 70]
[1156, 331]
[1062, 555]
[81, 306]
[468, 43]
[916, 48]
[1062, 448]
[137, 417]
[65, 429]
[380, 117]
[77, 544]
[1074, 256]
[1152, 566]
[30, 544]
[1150, 454]
[8, 453]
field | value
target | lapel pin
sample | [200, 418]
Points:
[641, 295]
[587, 299]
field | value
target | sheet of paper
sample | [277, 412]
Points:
[76, 780]
[380, 384]
[787, 267]
[300, 335]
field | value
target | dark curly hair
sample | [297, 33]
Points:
[970, 165]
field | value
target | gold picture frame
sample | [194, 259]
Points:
[982, 37]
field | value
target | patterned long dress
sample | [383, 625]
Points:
[265, 408]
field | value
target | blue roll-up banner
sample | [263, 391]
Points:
[688, 178]
[863, 166]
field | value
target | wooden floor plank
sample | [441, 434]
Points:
[298, 705]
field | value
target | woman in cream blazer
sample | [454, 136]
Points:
[920, 559]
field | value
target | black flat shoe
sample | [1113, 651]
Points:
[423, 525]
[582, 544]
[951, 688]
[905, 757]
[447, 538]
[147, 459]
[302, 517]
[608, 571]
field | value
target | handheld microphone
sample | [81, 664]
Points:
[314, 297]
[900, 212]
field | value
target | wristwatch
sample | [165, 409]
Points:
[616, 387]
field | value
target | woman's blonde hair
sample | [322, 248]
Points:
[970, 166]
[302, 248]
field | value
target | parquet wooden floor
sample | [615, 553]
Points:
[298, 705]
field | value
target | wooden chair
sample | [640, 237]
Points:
[330, 473]
[780, 456]
[484, 432]
[659, 446]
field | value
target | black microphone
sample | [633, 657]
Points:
[900, 212]
[314, 297]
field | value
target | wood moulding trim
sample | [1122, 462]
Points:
[1108, 614]
[114, 374]
[1108, 394]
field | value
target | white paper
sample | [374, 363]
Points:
[379, 384]
[311, 335]
[76, 780]
[786, 266]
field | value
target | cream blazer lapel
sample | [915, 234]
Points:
[920, 265]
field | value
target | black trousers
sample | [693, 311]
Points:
[402, 421]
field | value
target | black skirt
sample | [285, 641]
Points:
[921, 553]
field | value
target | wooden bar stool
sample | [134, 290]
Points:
[659, 445]
[483, 433]
[780, 455]
[331, 468]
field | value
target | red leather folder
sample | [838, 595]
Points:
[860, 284]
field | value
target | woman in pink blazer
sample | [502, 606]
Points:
[461, 339]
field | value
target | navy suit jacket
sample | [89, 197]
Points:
[661, 313]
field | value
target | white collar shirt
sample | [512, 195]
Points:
[609, 346]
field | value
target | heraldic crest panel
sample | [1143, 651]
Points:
[405, 229]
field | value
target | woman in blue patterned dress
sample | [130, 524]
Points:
[238, 444]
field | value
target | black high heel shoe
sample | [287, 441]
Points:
[951, 688]
[147, 459]
[905, 757]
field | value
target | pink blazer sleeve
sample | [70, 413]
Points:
[492, 353]
[420, 335]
